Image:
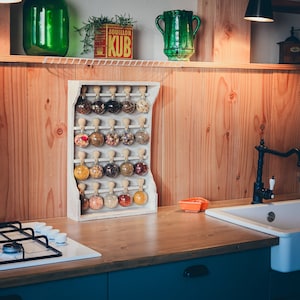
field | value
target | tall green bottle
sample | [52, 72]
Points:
[45, 27]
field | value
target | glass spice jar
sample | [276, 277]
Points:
[125, 198]
[45, 27]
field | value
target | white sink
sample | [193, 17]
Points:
[281, 219]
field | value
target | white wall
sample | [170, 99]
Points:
[265, 36]
[148, 41]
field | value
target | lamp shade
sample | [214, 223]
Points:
[259, 11]
[9, 1]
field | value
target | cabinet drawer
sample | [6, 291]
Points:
[81, 288]
[242, 275]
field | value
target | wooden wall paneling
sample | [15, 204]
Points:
[251, 118]
[204, 41]
[220, 133]
[206, 123]
[232, 33]
[167, 148]
[264, 126]
[13, 146]
[285, 134]
[47, 139]
[211, 134]
[225, 35]
[222, 105]
[4, 29]
[204, 150]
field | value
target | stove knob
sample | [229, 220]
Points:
[38, 227]
[46, 229]
[61, 238]
[51, 234]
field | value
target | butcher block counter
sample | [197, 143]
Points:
[171, 235]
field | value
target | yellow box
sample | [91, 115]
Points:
[114, 41]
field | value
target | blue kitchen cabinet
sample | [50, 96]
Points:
[80, 288]
[285, 286]
[243, 275]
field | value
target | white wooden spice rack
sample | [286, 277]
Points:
[73, 202]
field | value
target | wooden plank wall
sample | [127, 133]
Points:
[224, 35]
[206, 124]
[206, 121]
[4, 29]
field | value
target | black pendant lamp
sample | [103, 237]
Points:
[259, 11]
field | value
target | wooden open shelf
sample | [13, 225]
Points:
[225, 42]
[140, 63]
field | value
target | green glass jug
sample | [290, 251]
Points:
[178, 33]
[45, 27]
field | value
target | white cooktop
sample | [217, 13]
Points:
[71, 250]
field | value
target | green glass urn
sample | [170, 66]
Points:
[176, 26]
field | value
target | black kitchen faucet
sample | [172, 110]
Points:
[259, 192]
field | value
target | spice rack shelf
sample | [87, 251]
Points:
[126, 140]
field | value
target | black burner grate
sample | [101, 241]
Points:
[28, 245]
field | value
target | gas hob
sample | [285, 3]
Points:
[34, 244]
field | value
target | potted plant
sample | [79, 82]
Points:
[109, 37]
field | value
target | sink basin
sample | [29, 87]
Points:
[281, 219]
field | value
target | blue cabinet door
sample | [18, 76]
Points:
[242, 275]
[80, 288]
[285, 286]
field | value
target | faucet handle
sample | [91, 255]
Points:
[272, 183]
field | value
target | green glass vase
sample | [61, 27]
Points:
[45, 27]
[176, 26]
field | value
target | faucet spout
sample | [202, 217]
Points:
[259, 192]
[285, 154]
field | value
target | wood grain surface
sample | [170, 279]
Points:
[206, 122]
[4, 29]
[168, 236]
[224, 35]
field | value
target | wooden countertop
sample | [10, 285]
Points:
[129, 242]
